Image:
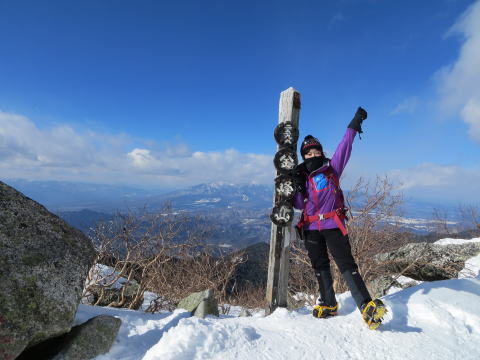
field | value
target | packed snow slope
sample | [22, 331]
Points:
[434, 320]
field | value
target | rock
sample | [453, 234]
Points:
[428, 262]
[380, 286]
[44, 263]
[90, 339]
[245, 313]
[200, 304]
[83, 342]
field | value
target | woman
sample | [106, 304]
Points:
[323, 223]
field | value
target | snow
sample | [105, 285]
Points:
[472, 265]
[432, 320]
[450, 241]
[404, 280]
[213, 200]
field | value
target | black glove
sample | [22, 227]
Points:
[299, 173]
[357, 120]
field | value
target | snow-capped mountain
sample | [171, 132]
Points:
[218, 195]
[240, 212]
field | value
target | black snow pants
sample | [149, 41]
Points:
[317, 242]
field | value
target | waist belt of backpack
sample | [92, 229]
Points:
[337, 215]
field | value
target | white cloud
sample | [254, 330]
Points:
[438, 182]
[458, 83]
[471, 115]
[141, 158]
[408, 106]
[64, 153]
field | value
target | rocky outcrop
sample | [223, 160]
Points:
[44, 263]
[428, 262]
[380, 286]
[200, 304]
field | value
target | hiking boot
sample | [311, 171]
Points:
[324, 311]
[372, 313]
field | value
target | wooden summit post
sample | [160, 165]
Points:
[286, 135]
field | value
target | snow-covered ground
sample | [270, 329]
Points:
[433, 320]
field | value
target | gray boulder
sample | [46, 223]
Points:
[44, 263]
[90, 339]
[83, 342]
[379, 287]
[428, 262]
[200, 304]
[245, 313]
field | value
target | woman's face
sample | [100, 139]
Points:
[313, 153]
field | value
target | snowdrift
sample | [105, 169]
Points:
[433, 320]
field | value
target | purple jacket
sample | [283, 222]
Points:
[322, 194]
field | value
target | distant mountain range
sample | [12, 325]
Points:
[239, 213]
[70, 196]
[218, 195]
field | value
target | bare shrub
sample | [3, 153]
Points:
[470, 219]
[191, 271]
[466, 224]
[374, 224]
[440, 223]
[302, 280]
[249, 296]
[163, 252]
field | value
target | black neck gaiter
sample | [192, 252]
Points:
[314, 163]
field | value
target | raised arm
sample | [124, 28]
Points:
[344, 149]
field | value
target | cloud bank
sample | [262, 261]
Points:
[63, 153]
[459, 83]
[441, 183]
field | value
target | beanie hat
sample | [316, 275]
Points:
[308, 143]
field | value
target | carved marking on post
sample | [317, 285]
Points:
[277, 282]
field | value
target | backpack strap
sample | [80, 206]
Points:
[338, 214]
[332, 176]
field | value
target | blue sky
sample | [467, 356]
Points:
[166, 94]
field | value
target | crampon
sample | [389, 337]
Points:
[324, 311]
[373, 312]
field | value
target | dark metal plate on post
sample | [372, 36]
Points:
[285, 187]
[285, 160]
[282, 214]
[286, 134]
